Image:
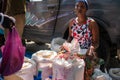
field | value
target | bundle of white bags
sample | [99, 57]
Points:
[68, 69]
[50, 64]
[73, 47]
[64, 67]
[44, 61]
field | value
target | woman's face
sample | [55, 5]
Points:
[80, 8]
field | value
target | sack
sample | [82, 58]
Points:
[44, 59]
[12, 54]
[68, 69]
[28, 70]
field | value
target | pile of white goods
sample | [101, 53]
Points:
[71, 69]
[44, 60]
[51, 64]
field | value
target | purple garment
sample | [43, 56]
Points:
[12, 54]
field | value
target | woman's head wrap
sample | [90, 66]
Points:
[85, 1]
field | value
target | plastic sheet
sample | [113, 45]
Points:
[99, 75]
[56, 43]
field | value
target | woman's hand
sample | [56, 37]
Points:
[65, 48]
[91, 51]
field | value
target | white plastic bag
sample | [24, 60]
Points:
[68, 69]
[56, 43]
[44, 59]
[46, 69]
[74, 47]
[99, 75]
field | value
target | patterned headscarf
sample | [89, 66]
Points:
[85, 1]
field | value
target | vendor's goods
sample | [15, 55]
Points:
[56, 43]
[68, 69]
[74, 47]
[44, 59]
[44, 55]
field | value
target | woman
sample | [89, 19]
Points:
[85, 30]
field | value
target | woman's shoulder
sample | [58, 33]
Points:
[92, 23]
[91, 19]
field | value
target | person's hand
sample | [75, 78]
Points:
[91, 51]
[65, 48]
[8, 21]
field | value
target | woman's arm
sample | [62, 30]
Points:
[95, 36]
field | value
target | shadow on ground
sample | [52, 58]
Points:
[32, 47]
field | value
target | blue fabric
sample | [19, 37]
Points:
[81, 0]
[1, 31]
[0, 54]
[28, 54]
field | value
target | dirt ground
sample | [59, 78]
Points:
[33, 47]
